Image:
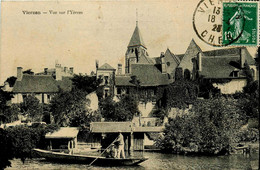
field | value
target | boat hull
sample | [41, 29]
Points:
[84, 159]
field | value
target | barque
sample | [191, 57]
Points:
[86, 159]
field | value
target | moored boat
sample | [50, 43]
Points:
[87, 159]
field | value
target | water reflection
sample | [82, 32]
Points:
[156, 161]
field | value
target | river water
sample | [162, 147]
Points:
[156, 161]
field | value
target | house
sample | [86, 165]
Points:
[43, 87]
[224, 68]
[135, 136]
[107, 74]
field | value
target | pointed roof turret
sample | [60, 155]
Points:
[136, 39]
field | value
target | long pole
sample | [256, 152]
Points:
[102, 152]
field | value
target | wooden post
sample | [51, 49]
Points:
[50, 145]
[131, 143]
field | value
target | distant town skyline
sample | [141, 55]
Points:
[102, 32]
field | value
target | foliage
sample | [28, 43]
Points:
[8, 113]
[11, 80]
[18, 142]
[210, 128]
[246, 71]
[124, 110]
[65, 105]
[160, 113]
[69, 109]
[206, 88]
[179, 94]
[249, 100]
[179, 74]
[29, 71]
[32, 108]
[86, 83]
[248, 135]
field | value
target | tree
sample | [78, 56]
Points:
[11, 80]
[29, 71]
[32, 108]
[124, 110]
[69, 109]
[86, 83]
[179, 94]
[18, 142]
[8, 113]
[179, 73]
[210, 128]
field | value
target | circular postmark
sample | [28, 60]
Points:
[208, 23]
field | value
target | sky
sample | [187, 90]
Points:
[101, 33]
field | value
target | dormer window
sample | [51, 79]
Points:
[235, 73]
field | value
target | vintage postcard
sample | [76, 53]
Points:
[171, 76]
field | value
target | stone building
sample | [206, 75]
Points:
[42, 86]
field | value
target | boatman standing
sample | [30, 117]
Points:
[121, 145]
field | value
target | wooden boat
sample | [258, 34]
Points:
[87, 159]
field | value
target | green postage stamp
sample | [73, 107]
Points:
[240, 23]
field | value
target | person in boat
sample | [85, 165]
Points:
[121, 145]
[111, 152]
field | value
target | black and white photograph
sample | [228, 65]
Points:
[131, 84]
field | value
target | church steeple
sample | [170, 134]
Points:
[136, 50]
[136, 39]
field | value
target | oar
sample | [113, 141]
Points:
[102, 152]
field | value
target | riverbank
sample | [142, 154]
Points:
[156, 161]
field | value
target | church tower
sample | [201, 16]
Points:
[136, 51]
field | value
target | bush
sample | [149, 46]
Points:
[248, 135]
[18, 142]
[210, 128]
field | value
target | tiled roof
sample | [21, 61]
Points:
[65, 84]
[136, 39]
[231, 51]
[125, 127]
[149, 75]
[220, 66]
[63, 133]
[41, 84]
[110, 127]
[123, 81]
[106, 67]
[36, 84]
[180, 56]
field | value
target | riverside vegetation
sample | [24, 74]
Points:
[211, 126]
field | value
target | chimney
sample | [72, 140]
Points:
[96, 64]
[242, 57]
[58, 71]
[163, 65]
[119, 69]
[71, 70]
[19, 73]
[45, 71]
[199, 61]
[162, 54]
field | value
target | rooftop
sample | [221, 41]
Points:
[63, 133]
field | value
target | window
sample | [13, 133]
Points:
[127, 91]
[168, 63]
[235, 74]
[48, 98]
[106, 93]
[119, 91]
[106, 79]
